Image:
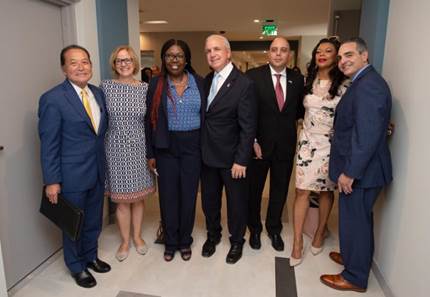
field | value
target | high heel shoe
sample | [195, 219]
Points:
[295, 261]
[316, 250]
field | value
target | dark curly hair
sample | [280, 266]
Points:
[336, 76]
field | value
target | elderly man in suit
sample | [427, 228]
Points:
[360, 163]
[279, 93]
[72, 125]
[228, 132]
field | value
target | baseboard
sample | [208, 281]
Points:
[381, 280]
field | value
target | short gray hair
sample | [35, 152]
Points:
[360, 43]
[226, 42]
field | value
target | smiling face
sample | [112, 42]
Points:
[124, 64]
[175, 60]
[279, 53]
[350, 59]
[218, 54]
[325, 55]
[77, 67]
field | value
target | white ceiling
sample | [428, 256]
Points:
[293, 17]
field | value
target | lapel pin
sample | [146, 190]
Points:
[290, 82]
[228, 85]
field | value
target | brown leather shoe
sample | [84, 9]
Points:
[336, 257]
[336, 281]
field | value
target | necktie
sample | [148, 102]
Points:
[87, 106]
[279, 92]
[213, 90]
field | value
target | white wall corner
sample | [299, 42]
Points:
[134, 27]
[85, 17]
[381, 280]
[3, 291]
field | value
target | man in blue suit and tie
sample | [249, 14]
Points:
[360, 162]
[72, 125]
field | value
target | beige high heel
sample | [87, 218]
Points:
[295, 261]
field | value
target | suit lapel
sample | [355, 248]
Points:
[270, 89]
[225, 88]
[100, 102]
[76, 102]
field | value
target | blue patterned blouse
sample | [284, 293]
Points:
[184, 112]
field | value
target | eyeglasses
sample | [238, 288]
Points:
[126, 61]
[170, 57]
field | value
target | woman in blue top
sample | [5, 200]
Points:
[173, 143]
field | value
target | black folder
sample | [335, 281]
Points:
[64, 214]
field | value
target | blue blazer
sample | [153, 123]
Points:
[158, 138]
[359, 146]
[72, 154]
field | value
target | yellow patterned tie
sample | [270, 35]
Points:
[87, 107]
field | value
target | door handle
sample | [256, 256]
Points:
[1, 147]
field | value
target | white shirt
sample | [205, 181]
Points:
[223, 74]
[95, 108]
[283, 79]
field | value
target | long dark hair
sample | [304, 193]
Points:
[163, 75]
[336, 76]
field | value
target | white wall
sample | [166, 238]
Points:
[402, 228]
[3, 291]
[307, 44]
[133, 27]
[86, 33]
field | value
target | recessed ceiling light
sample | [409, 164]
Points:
[264, 52]
[156, 22]
[260, 37]
[256, 21]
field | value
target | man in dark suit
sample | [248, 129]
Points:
[72, 125]
[228, 131]
[360, 162]
[279, 92]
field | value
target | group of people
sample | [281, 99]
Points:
[225, 130]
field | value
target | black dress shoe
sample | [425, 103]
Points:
[235, 253]
[277, 242]
[209, 247]
[99, 266]
[84, 279]
[254, 240]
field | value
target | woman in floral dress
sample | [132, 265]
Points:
[324, 87]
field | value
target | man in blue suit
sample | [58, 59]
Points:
[72, 125]
[360, 162]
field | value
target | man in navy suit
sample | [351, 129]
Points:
[72, 125]
[360, 162]
[228, 131]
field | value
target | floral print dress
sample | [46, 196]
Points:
[313, 147]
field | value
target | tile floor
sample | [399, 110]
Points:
[151, 276]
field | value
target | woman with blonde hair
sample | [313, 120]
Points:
[128, 180]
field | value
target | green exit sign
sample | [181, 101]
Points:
[269, 30]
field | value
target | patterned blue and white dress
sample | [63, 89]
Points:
[128, 177]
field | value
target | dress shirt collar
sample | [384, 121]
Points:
[79, 89]
[358, 72]
[225, 72]
[283, 73]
